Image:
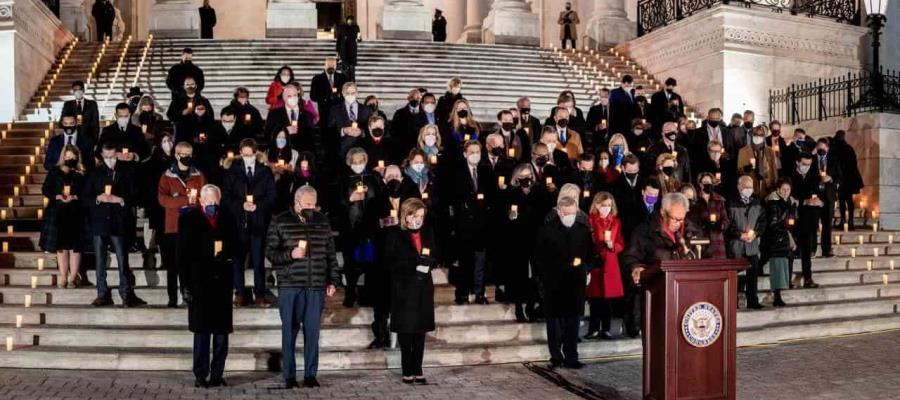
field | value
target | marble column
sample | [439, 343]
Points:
[74, 17]
[512, 22]
[476, 11]
[291, 18]
[609, 24]
[175, 19]
[406, 19]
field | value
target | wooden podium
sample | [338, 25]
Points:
[690, 318]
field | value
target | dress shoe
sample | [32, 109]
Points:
[778, 303]
[291, 383]
[828, 254]
[102, 302]
[605, 335]
[573, 365]
[310, 382]
[261, 302]
[481, 300]
[201, 383]
[633, 334]
[421, 381]
[810, 285]
[172, 304]
[409, 380]
[217, 382]
[755, 306]
[131, 301]
[591, 335]
[348, 303]
[555, 363]
[461, 300]
[239, 301]
[376, 344]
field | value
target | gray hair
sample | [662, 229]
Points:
[566, 202]
[304, 190]
[210, 188]
[353, 152]
[673, 198]
[569, 190]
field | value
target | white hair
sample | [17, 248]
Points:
[306, 189]
[211, 189]
[673, 198]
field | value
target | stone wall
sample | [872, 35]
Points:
[30, 38]
[876, 139]
[731, 56]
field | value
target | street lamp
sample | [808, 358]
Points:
[874, 97]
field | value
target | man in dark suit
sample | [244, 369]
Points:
[325, 89]
[669, 144]
[249, 176]
[348, 117]
[124, 135]
[831, 174]
[598, 122]
[474, 186]
[104, 15]
[622, 106]
[710, 130]
[666, 105]
[292, 119]
[428, 115]
[404, 121]
[183, 103]
[87, 116]
[346, 46]
[247, 118]
[806, 188]
[69, 137]
[627, 191]
[530, 124]
[515, 140]
[175, 80]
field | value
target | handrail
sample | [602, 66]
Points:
[112, 82]
[140, 66]
[59, 67]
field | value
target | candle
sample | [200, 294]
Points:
[78, 119]
[250, 198]
[16, 191]
[885, 278]
[480, 196]
[846, 227]
[40, 214]
[837, 239]
[514, 208]
[31, 159]
[607, 235]
[891, 263]
[501, 181]
[426, 251]
[753, 162]
[874, 214]
[304, 165]
[301, 244]
[425, 196]
[230, 154]
[380, 163]
[643, 149]
[34, 282]
[586, 193]
[751, 234]
[143, 128]
[354, 125]
[853, 252]
[9, 202]
[576, 261]
[549, 181]
[334, 90]
[27, 300]
[713, 217]
[6, 247]
[875, 227]
[22, 179]
[40, 263]
[860, 238]
[699, 251]
[9, 343]
[511, 153]
[19, 319]
[67, 190]
[107, 190]
[718, 176]
[890, 239]
[791, 222]
[433, 159]
[360, 189]
[393, 213]
[9, 230]
[466, 137]
[247, 118]
[217, 247]
[190, 104]
[869, 265]
[280, 163]
[875, 252]
[3, 212]
[202, 136]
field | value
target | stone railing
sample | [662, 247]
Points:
[655, 14]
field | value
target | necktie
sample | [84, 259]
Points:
[249, 172]
[79, 106]
[330, 81]
[70, 139]
[293, 115]
[562, 136]
[475, 178]
[352, 112]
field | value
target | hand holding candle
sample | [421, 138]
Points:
[513, 212]
[299, 252]
[217, 247]
[576, 262]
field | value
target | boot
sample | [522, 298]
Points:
[149, 260]
[520, 313]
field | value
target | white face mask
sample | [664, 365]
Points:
[568, 220]
[551, 147]
[110, 162]
[79, 94]
[803, 169]
[430, 140]
[293, 101]
[605, 210]
[350, 99]
[418, 167]
[358, 168]
[249, 160]
[455, 90]
[228, 126]
[429, 108]
[167, 147]
[473, 159]
[746, 193]
[758, 140]
[604, 162]
[123, 121]
[285, 78]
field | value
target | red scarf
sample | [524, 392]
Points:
[417, 240]
[212, 219]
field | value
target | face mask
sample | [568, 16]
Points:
[715, 156]
[110, 162]
[803, 169]
[167, 147]
[71, 163]
[605, 210]
[821, 152]
[671, 136]
[413, 103]
[358, 168]
[638, 132]
[430, 140]
[668, 170]
[515, 121]
[249, 160]
[68, 130]
[79, 94]
[562, 123]
[526, 182]
[746, 193]
[307, 213]
[758, 140]
[651, 200]
[429, 108]
[186, 161]
[211, 209]
[280, 142]
[330, 71]
[748, 125]
[122, 121]
[393, 188]
[455, 90]
[293, 101]
[190, 88]
[707, 188]
[713, 123]
[776, 131]
[508, 126]
[473, 159]
[414, 224]
[568, 220]
[541, 161]
[418, 168]
[604, 162]
[372, 107]
[462, 113]
[551, 147]
[669, 90]
[285, 79]
[618, 149]
[377, 132]
[631, 175]
[497, 152]
[525, 110]
[350, 99]
[228, 126]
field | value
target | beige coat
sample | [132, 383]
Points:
[573, 145]
[765, 175]
[573, 26]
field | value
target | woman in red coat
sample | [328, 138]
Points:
[274, 99]
[605, 283]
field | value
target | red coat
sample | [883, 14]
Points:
[606, 281]
[173, 195]
[274, 100]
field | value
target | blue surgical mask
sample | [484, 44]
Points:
[281, 142]
[211, 209]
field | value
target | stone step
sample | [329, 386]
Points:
[436, 354]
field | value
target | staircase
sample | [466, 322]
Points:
[860, 290]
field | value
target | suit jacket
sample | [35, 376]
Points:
[179, 103]
[621, 110]
[90, 116]
[339, 118]
[404, 129]
[236, 188]
[55, 148]
[659, 110]
[109, 219]
[181, 70]
[325, 94]
[279, 120]
[471, 212]
[131, 138]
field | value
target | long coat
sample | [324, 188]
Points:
[517, 241]
[412, 292]
[207, 275]
[606, 281]
[59, 215]
[207, 22]
[562, 281]
[778, 241]
[572, 23]
[109, 219]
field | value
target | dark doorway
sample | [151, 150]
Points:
[329, 15]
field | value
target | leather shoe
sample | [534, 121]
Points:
[461, 300]
[132, 301]
[262, 302]
[376, 344]
[573, 365]
[810, 285]
[217, 382]
[481, 300]
[239, 301]
[102, 302]
[755, 306]
[778, 303]
[606, 335]
[421, 381]
[310, 382]
[291, 383]
[555, 363]
[201, 383]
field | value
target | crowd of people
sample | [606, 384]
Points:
[547, 215]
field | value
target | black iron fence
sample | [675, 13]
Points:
[655, 14]
[843, 96]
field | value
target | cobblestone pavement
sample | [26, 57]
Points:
[855, 367]
[847, 368]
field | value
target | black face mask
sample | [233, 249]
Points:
[541, 161]
[413, 103]
[631, 175]
[526, 183]
[563, 123]
[307, 213]
[668, 170]
[393, 188]
[748, 125]
[330, 71]
[377, 132]
[669, 91]
[515, 121]
[186, 161]
[525, 110]
[462, 113]
[586, 176]
[71, 163]
[821, 152]
[508, 126]
[713, 122]
[671, 136]
[69, 130]
[372, 107]
[497, 152]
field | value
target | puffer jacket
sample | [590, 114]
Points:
[319, 268]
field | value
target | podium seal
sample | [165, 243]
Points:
[701, 324]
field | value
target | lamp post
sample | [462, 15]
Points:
[875, 20]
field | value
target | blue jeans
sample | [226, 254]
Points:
[251, 245]
[126, 278]
[202, 365]
[300, 306]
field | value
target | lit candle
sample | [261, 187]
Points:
[549, 181]
[354, 125]
[837, 239]
[247, 118]
[31, 159]
[27, 300]
[360, 189]
[846, 227]
[217, 247]
[190, 104]
[860, 238]
[9, 343]
[890, 239]
[501, 181]
[718, 176]
[16, 191]
[426, 251]
[143, 128]
[643, 149]
[9, 230]
[576, 261]
[34, 282]
[875, 252]
[751, 234]
[466, 137]
[480, 196]
[3, 212]
[514, 208]
[875, 227]
[107, 190]
[40, 263]
[393, 213]
[607, 235]
[433, 159]
[511, 153]
[6, 247]
[884, 278]
[425, 196]
[713, 217]
[753, 162]
[67, 190]
[334, 90]
[380, 163]
[868, 265]
[9, 202]
[230, 154]
[891, 263]
[19, 319]
[790, 221]
[586, 193]
[27, 170]
[304, 165]
[301, 244]
[250, 198]
[853, 252]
